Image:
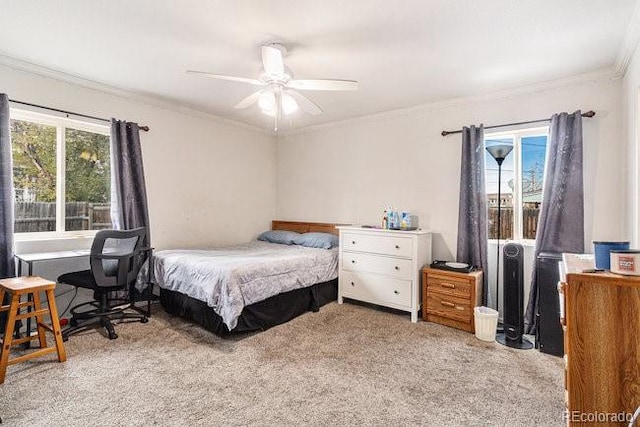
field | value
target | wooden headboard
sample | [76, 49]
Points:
[305, 227]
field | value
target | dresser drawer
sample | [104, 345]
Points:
[396, 267]
[450, 285]
[384, 245]
[377, 289]
[448, 306]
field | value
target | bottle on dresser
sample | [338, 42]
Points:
[394, 221]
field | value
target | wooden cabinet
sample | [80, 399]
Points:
[450, 297]
[601, 322]
[383, 266]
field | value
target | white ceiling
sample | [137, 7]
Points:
[403, 53]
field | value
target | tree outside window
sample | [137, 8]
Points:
[56, 163]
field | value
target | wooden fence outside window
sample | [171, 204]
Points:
[33, 217]
[529, 222]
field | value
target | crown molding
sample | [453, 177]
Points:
[631, 39]
[577, 80]
[130, 95]
[162, 103]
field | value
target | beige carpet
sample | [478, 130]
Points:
[346, 365]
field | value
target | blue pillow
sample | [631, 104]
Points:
[278, 236]
[316, 240]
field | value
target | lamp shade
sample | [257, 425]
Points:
[500, 151]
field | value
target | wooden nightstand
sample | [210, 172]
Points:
[448, 297]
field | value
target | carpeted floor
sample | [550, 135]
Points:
[346, 365]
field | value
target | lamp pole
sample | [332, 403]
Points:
[499, 152]
[499, 230]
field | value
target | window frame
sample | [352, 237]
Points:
[517, 136]
[61, 123]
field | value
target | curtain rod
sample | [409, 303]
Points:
[589, 113]
[144, 128]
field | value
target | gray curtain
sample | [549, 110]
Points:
[561, 220]
[472, 214]
[129, 207]
[7, 200]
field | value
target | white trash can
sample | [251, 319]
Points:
[486, 320]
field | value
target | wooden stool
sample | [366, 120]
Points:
[24, 286]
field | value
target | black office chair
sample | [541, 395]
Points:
[116, 257]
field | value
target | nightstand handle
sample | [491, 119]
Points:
[396, 292]
[353, 284]
[353, 261]
[396, 267]
[448, 285]
[447, 304]
[353, 242]
[397, 246]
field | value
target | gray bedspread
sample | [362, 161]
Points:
[230, 278]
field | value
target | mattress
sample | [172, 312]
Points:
[228, 279]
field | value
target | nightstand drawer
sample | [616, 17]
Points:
[384, 245]
[374, 288]
[450, 285]
[396, 267]
[448, 306]
[449, 297]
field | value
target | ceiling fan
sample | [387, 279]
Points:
[280, 96]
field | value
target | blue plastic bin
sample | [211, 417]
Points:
[602, 252]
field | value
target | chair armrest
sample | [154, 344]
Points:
[116, 257]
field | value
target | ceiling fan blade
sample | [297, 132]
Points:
[272, 61]
[230, 78]
[249, 100]
[323, 84]
[305, 103]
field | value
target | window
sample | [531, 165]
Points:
[520, 185]
[61, 171]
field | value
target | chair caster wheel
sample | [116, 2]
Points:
[144, 320]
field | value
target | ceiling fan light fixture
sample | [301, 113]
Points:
[267, 101]
[289, 105]
[270, 113]
[269, 107]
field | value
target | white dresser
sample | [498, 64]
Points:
[383, 266]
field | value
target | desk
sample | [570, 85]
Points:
[32, 258]
[29, 259]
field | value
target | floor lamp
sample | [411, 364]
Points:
[499, 152]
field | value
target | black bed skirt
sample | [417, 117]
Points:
[262, 315]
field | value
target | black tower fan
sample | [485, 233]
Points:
[513, 298]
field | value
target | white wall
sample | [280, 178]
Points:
[631, 94]
[209, 181]
[350, 171]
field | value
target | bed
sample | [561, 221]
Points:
[248, 287]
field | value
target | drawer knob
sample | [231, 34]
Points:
[396, 267]
[448, 285]
[353, 284]
[447, 304]
[397, 246]
[353, 242]
[396, 292]
[353, 261]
